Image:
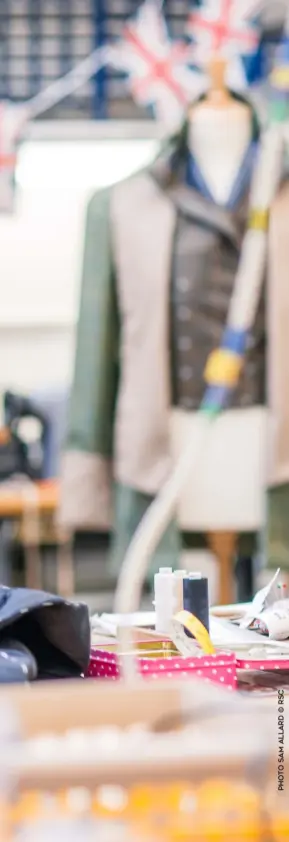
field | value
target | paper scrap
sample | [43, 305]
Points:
[275, 620]
[263, 599]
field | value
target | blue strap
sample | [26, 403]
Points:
[235, 341]
[195, 178]
[216, 398]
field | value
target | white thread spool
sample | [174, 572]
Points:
[179, 576]
[168, 587]
[163, 587]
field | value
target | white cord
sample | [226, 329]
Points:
[154, 523]
[68, 84]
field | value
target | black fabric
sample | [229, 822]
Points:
[204, 268]
[16, 662]
[13, 456]
[41, 636]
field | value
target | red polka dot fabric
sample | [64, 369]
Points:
[219, 669]
[269, 665]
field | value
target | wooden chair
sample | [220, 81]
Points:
[223, 545]
[30, 506]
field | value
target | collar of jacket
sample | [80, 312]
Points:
[169, 172]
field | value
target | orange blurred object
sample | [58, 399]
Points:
[14, 501]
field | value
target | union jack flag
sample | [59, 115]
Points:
[225, 28]
[158, 68]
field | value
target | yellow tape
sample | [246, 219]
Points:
[258, 219]
[223, 368]
[185, 620]
[280, 77]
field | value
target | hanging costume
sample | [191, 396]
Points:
[159, 269]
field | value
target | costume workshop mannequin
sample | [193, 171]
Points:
[148, 431]
[161, 254]
[222, 499]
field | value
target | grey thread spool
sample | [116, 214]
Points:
[196, 598]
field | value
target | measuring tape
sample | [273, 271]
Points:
[184, 621]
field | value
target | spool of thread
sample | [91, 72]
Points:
[168, 588]
[196, 598]
[179, 576]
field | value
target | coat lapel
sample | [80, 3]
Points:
[203, 212]
[169, 172]
[143, 249]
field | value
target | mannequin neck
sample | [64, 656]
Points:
[220, 133]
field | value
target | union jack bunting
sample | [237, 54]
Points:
[225, 28]
[158, 68]
[12, 119]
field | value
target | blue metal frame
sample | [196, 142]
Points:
[65, 38]
[34, 35]
[99, 105]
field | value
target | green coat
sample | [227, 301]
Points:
[95, 495]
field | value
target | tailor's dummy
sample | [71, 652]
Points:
[225, 494]
[161, 256]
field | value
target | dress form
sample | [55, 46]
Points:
[219, 135]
